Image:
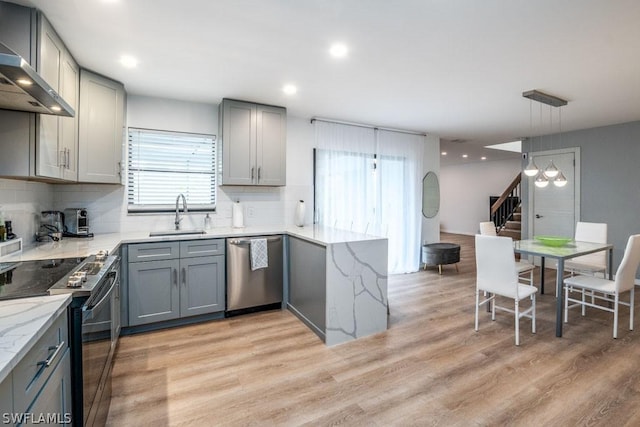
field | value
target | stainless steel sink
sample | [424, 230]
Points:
[176, 232]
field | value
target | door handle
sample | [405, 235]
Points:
[538, 216]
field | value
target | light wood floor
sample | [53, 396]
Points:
[429, 368]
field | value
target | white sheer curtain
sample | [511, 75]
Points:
[369, 181]
[400, 201]
[344, 161]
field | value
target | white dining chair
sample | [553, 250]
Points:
[604, 290]
[524, 268]
[591, 264]
[496, 274]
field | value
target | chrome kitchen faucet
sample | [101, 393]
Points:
[186, 210]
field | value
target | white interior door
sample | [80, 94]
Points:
[555, 210]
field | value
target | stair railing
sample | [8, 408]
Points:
[507, 204]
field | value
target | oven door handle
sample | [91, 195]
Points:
[88, 310]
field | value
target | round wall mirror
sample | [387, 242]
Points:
[430, 195]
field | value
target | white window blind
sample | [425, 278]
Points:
[163, 164]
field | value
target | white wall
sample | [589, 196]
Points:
[431, 162]
[465, 191]
[107, 204]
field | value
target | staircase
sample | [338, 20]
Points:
[506, 212]
[513, 227]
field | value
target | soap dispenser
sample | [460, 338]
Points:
[207, 222]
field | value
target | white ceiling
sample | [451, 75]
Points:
[456, 69]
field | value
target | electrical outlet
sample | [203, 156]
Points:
[251, 212]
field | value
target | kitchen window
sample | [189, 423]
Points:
[163, 164]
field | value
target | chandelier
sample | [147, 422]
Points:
[551, 173]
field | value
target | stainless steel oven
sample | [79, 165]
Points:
[93, 332]
[97, 350]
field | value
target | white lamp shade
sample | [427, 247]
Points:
[551, 171]
[560, 180]
[541, 181]
[531, 169]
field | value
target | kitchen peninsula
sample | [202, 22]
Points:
[346, 300]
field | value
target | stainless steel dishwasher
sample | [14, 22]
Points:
[249, 290]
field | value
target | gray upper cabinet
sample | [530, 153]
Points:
[101, 129]
[253, 144]
[57, 137]
[39, 146]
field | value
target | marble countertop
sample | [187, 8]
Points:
[22, 322]
[82, 247]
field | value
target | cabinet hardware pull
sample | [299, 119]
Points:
[184, 276]
[53, 356]
[252, 174]
[259, 173]
[175, 276]
[61, 158]
[68, 157]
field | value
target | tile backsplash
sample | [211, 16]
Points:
[107, 208]
[21, 203]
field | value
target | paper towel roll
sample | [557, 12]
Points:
[299, 216]
[237, 216]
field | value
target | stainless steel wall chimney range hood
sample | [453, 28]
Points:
[22, 89]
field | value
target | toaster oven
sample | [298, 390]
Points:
[76, 222]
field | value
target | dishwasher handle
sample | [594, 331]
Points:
[247, 241]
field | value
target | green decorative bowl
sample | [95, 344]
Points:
[553, 240]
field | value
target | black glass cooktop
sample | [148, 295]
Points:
[33, 278]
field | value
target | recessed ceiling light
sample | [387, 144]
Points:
[444, 153]
[24, 82]
[464, 156]
[483, 158]
[128, 61]
[338, 50]
[289, 89]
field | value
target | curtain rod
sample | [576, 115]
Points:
[313, 119]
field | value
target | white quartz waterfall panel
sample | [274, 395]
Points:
[356, 290]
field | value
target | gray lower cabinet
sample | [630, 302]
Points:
[153, 291]
[6, 398]
[53, 404]
[180, 279]
[38, 389]
[197, 295]
[307, 283]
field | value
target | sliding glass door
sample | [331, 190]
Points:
[374, 190]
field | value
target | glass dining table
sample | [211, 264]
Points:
[570, 250]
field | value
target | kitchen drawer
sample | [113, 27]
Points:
[194, 248]
[39, 363]
[155, 251]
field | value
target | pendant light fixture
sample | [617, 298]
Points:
[551, 172]
[541, 181]
[531, 169]
[560, 180]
